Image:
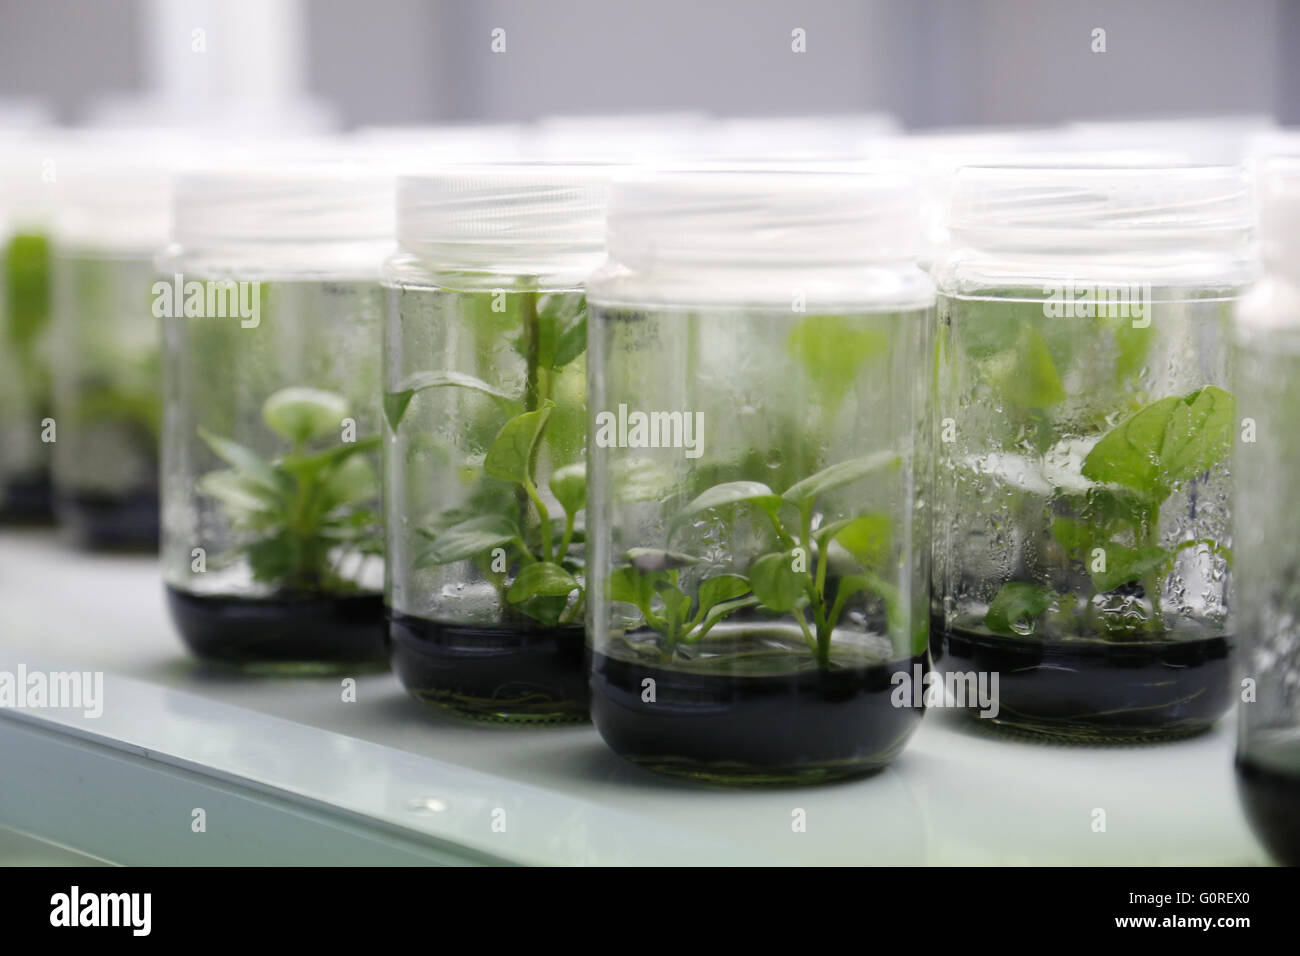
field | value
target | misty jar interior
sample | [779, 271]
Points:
[1267, 499]
[107, 355]
[756, 531]
[485, 457]
[272, 335]
[1084, 419]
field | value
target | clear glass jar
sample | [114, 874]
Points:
[108, 390]
[756, 524]
[1266, 463]
[1084, 420]
[485, 388]
[272, 334]
[26, 402]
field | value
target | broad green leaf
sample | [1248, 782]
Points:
[544, 610]
[1025, 375]
[302, 414]
[246, 461]
[719, 611]
[308, 466]
[238, 492]
[352, 481]
[542, 579]
[730, 493]
[832, 350]
[633, 587]
[510, 457]
[676, 604]
[467, 539]
[561, 328]
[396, 402]
[1172, 440]
[842, 473]
[715, 590]
[646, 560]
[867, 538]
[1015, 607]
[1124, 564]
[640, 479]
[776, 584]
[569, 485]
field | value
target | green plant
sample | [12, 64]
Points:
[534, 558]
[303, 513]
[795, 579]
[1114, 532]
[27, 280]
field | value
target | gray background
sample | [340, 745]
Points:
[930, 62]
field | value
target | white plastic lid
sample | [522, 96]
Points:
[764, 216]
[1279, 213]
[284, 201]
[1054, 208]
[504, 215]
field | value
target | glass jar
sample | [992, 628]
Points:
[756, 526]
[272, 334]
[27, 186]
[485, 388]
[1084, 420]
[1266, 464]
[107, 398]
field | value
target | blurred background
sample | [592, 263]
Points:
[928, 62]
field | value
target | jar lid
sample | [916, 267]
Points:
[803, 216]
[330, 200]
[1056, 208]
[503, 214]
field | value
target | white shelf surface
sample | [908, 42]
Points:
[287, 772]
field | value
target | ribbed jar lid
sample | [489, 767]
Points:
[803, 216]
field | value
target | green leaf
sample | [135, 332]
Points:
[719, 611]
[309, 466]
[542, 579]
[640, 479]
[353, 481]
[715, 590]
[572, 343]
[867, 538]
[561, 328]
[467, 539]
[396, 402]
[1172, 440]
[1124, 564]
[238, 492]
[250, 464]
[1025, 375]
[776, 584]
[634, 587]
[301, 414]
[832, 350]
[511, 454]
[730, 493]
[1015, 607]
[569, 485]
[805, 492]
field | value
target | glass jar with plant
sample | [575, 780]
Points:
[1266, 500]
[1084, 422]
[755, 527]
[272, 333]
[113, 219]
[26, 203]
[485, 467]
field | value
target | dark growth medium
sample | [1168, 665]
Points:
[27, 499]
[313, 631]
[509, 674]
[1268, 781]
[787, 722]
[1092, 691]
[110, 522]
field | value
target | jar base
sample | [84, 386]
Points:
[299, 634]
[1270, 798]
[1094, 692]
[807, 726]
[105, 522]
[27, 499]
[502, 675]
